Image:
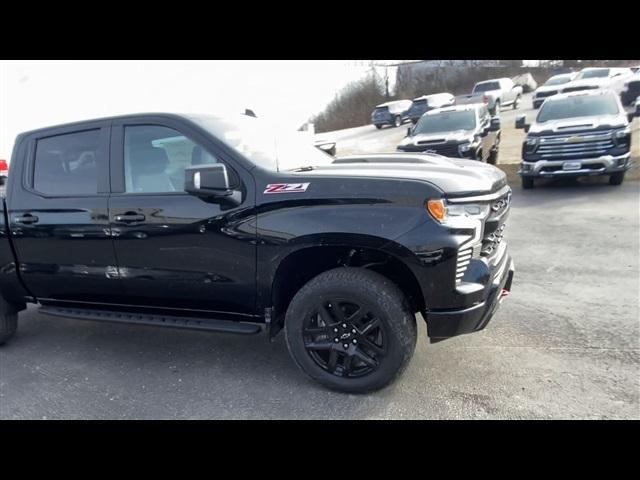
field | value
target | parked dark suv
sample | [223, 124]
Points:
[219, 224]
[391, 113]
[425, 103]
[464, 131]
[577, 134]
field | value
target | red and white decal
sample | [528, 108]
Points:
[286, 187]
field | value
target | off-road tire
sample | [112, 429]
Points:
[396, 320]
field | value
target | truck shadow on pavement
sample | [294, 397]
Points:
[165, 373]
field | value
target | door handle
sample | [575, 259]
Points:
[26, 219]
[129, 218]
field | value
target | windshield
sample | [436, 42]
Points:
[578, 106]
[486, 86]
[446, 122]
[264, 146]
[557, 80]
[600, 73]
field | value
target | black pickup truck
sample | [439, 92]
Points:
[219, 224]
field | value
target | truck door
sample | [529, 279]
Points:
[176, 250]
[57, 202]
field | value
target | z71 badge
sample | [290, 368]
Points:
[286, 187]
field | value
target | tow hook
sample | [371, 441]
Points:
[504, 294]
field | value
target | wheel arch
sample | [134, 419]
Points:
[305, 263]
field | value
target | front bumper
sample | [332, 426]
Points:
[603, 165]
[444, 324]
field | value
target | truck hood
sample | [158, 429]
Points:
[551, 88]
[598, 82]
[440, 137]
[579, 123]
[455, 177]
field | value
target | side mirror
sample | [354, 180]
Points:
[495, 124]
[632, 115]
[207, 181]
[521, 122]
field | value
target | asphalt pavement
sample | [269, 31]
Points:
[565, 344]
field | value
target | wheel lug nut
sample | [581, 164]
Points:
[344, 325]
[335, 330]
[336, 340]
[355, 341]
[353, 330]
[346, 345]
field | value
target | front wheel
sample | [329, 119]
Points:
[616, 178]
[378, 126]
[351, 330]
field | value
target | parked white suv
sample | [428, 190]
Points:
[551, 87]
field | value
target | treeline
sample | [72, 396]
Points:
[352, 106]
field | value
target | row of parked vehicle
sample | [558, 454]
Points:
[582, 128]
[623, 81]
[495, 94]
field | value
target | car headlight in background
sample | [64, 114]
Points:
[532, 141]
[623, 132]
[464, 147]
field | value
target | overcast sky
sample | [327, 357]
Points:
[40, 93]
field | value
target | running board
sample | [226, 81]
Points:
[190, 323]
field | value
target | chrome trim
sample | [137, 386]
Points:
[610, 165]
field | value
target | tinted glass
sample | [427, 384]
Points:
[68, 164]
[485, 87]
[446, 122]
[580, 106]
[557, 80]
[263, 145]
[155, 158]
[594, 73]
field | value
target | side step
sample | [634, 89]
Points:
[190, 323]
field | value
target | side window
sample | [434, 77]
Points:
[155, 158]
[67, 164]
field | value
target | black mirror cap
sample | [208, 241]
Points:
[207, 181]
[495, 124]
[521, 121]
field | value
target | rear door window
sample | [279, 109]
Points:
[69, 164]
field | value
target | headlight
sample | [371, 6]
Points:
[464, 147]
[458, 214]
[532, 141]
[623, 132]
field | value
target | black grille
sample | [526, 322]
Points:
[546, 94]
[495, 225]
[448, 150]
[577, 89]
